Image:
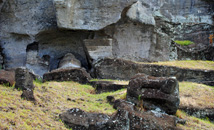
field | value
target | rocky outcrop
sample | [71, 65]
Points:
[138, 30]
[126, 118]
[123, 69]
[85, 15]
[154, 92]
[199, 113]
[192, 52]
[23, 78]
[69, 61]
[68, 74]
[7, 77]
[107, 86]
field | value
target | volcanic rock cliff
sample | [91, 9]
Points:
[38, 33]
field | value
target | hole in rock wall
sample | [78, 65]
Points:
[54, 45]
[1, 58]
[38, 64]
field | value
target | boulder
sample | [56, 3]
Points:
[68, 74]
[28, 95]
[107, 86]
[133, 120]
[110, 99]
[24, 79]
[140, 13]
[126, 118]
[69, 60]
[80, 120]
[7, 77]
[154, 92]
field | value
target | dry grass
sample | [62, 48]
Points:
[125, 82]
[194, 123]
[192, 64]
[196, 95]
[52, 99]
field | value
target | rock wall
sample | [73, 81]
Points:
[141, 30]
[122, 69]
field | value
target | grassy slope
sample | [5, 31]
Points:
[196, 64]
[51, 97]
[196, 96]
[194, 123]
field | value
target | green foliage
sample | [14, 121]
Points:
[38, 81]
[184, 43]
[139, 97]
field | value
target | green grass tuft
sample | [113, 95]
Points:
[184, 43]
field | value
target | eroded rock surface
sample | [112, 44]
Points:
[69, 60]
[123, 69]
[7, 77]
[89, 15]
[154, 92]
[23, 78]
[68, 74]
[126, 118]
[140, 30]
[107, 86]
[78, 119]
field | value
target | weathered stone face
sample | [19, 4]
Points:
[69, 60]
[154, 92]
[89, 15]
[23, 78]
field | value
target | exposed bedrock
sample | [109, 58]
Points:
[89, 15]
[123, 69]
[191, 52]
[129, 29]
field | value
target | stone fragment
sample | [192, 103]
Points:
[28, 95]
[126, 118]
[107, 86]
[7, 77]
[154, 92]
[69, 60]
[68, 74]
[78, 119]
[110, 99]
[23, 78]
